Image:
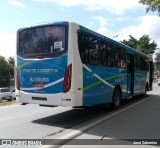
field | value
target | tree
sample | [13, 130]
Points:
[4, 72]
[152, 5]
[11, 66]
[157, 61]
[142, 44]
[132, 42]
[11, 61]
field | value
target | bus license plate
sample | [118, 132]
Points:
[39, 85]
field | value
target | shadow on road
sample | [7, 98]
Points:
[73, 117]
[76, 116]
[139, 122]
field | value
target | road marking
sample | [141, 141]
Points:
[76, 133]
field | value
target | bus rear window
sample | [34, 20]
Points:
[47, 41]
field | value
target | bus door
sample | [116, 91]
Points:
[130, 74]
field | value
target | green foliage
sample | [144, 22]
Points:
[157, 61]
[142, 44]
[6, 103]
[11, 66]
[152, 5]
[11, 61]
[6, 71]
[132, 42]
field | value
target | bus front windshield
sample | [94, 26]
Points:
[48, 41]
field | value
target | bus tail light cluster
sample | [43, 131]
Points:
[17, 80]
[67, 79]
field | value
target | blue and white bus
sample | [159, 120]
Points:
[66, 64]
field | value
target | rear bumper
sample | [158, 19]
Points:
[60, 99]
[45, 99]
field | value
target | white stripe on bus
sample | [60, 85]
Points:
[101, 79]
[98, 77]
[87, 68]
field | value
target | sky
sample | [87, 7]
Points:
[113, 18]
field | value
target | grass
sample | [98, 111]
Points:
[6, 103]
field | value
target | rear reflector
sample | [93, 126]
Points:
[66, 99]
[67, 79]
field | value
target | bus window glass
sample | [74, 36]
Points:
[111, 56]
[137, 63]
[93, 51]
[83, 50]
[121, 58]
[88, 49]
[42, 40]
[141, 63]
[104, 53]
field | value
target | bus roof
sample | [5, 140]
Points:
[44, 24]
[129, 49]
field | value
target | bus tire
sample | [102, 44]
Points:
[116, 99]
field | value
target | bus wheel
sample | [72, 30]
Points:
[116, 100]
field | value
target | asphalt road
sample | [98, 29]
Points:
[140, 121]
[138, 118]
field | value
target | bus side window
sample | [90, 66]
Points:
[83, 49]
[111, 56]
[139, 63]
[93, 51]
[88, 49]
[121, 58]
[103, 53]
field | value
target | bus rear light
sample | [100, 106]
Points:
[17, 80]
[67, 79]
